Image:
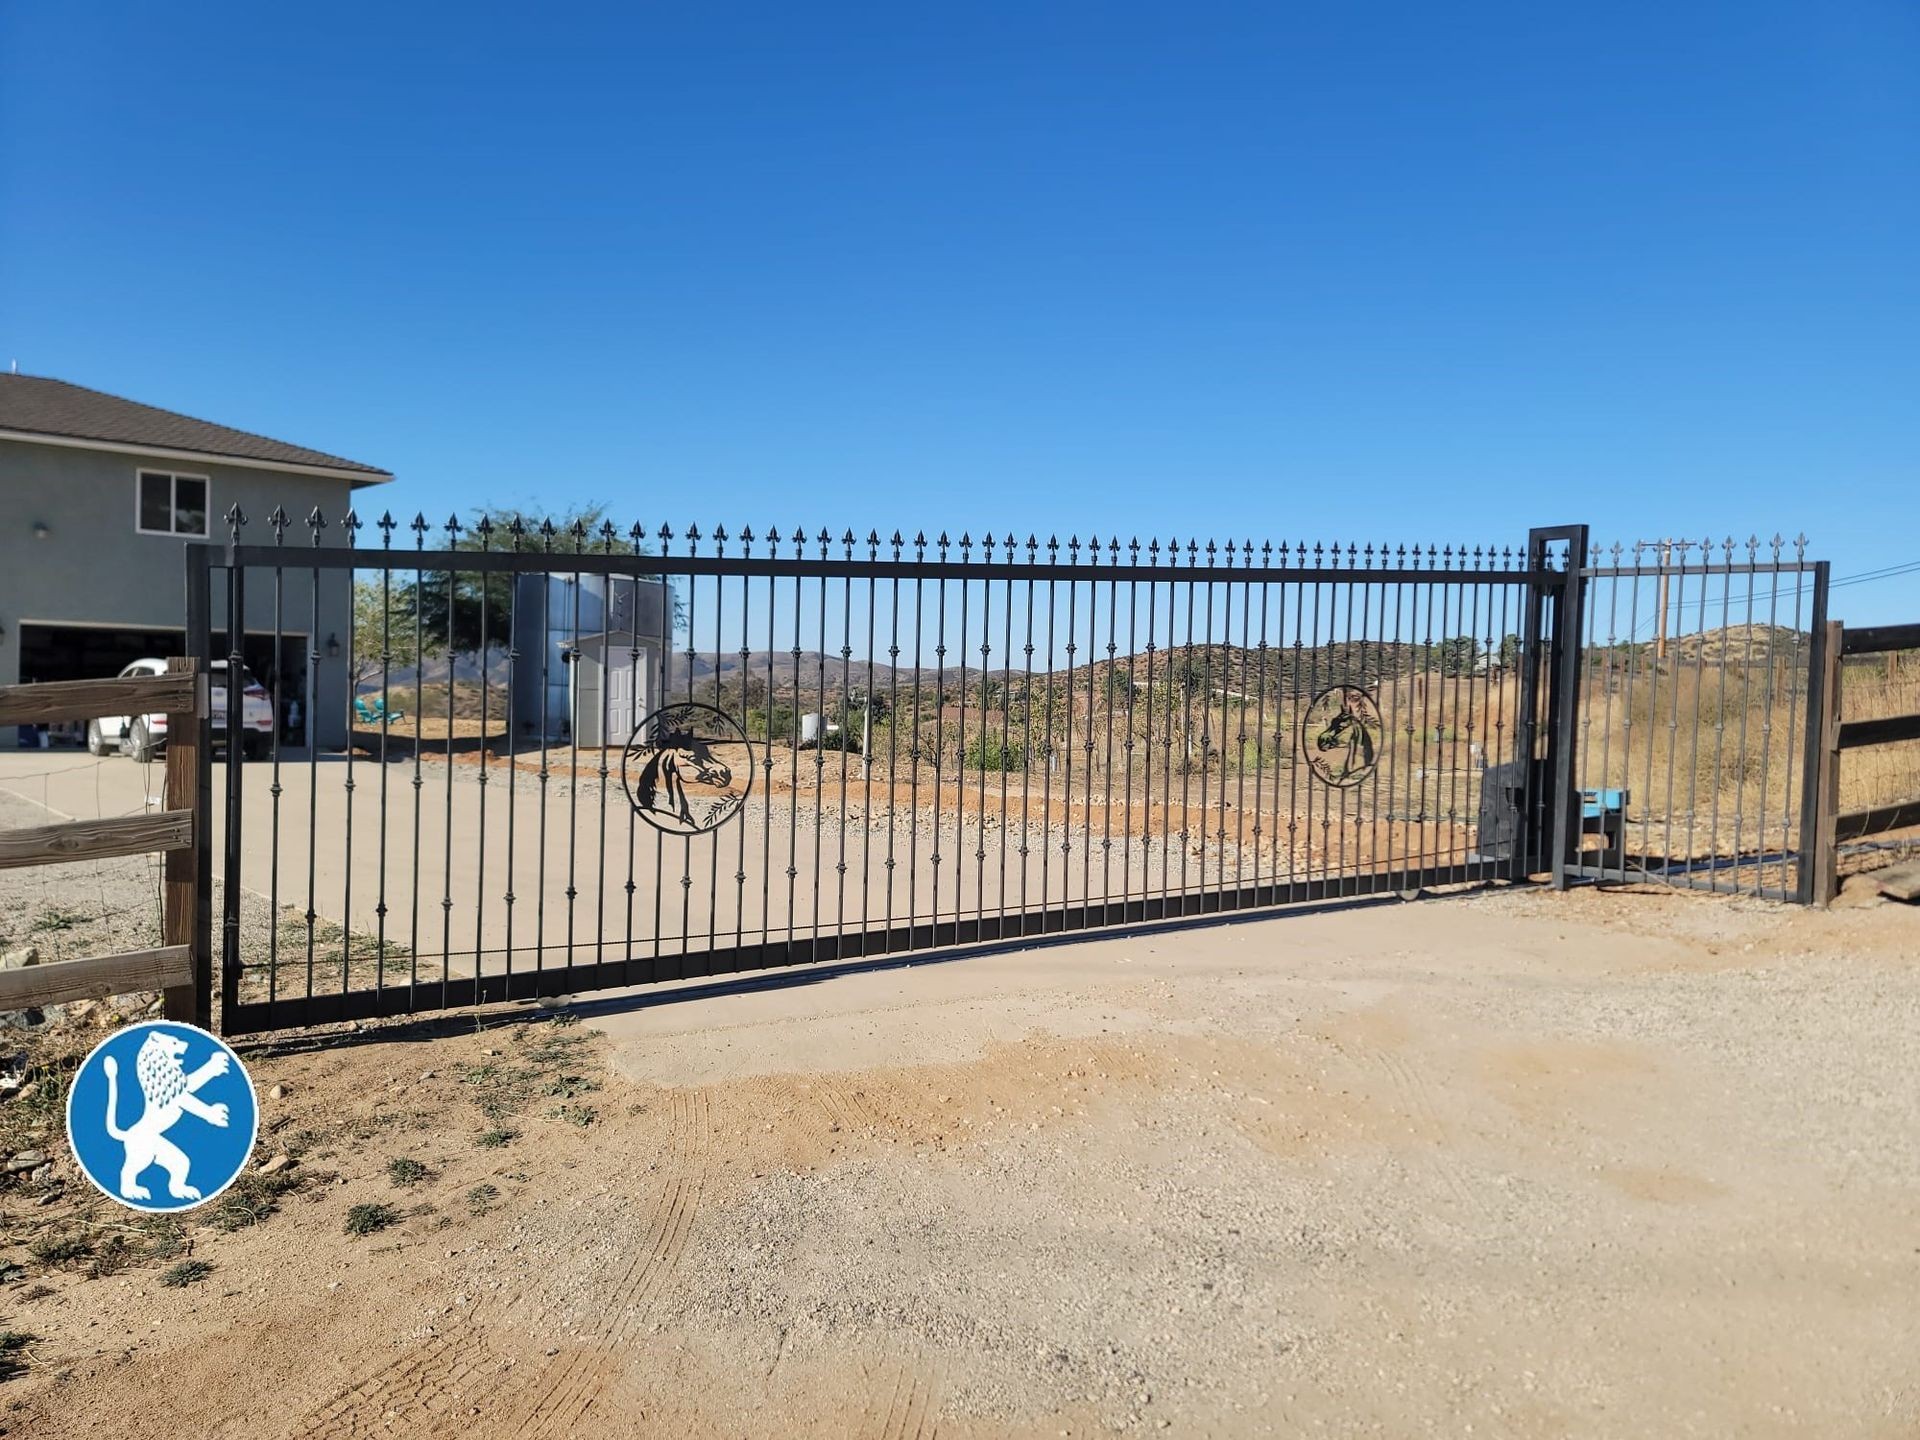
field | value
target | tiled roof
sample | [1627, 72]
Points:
[34, 405]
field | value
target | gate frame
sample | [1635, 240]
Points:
[1546, 831]
[1559, 641]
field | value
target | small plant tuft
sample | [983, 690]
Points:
[110, 1258]
[481, 1199]
[12, 1343]
[369, 1218]
[187, 1272]
[251, 1199]
[165, 1238]
[404, 1170]
[64, 1248]
[495, 1139]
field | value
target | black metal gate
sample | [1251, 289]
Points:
[533, 761]
[1697, 714]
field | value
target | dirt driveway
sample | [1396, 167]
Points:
[1512, 1164]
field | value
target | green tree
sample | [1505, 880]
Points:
[456, 610]
[380, 628]
[1457, 656]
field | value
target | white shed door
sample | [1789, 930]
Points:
[621, 713]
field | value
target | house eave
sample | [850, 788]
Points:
[357, 478]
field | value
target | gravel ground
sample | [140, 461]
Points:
[1510, 1163]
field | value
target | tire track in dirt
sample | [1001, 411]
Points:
[912, 1406]
[425, 1381]
[581, 1378]
[458, 1365]
[1411, 1091]
[847, 1108]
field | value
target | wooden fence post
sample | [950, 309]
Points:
[192, 1002]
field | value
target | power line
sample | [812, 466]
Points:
[1892, 572]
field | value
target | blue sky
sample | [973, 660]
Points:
[1392, 271]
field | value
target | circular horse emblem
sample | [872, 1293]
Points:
[687, 769]
[161, 1116]
[1340, 735]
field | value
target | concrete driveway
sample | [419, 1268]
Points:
[483, 874]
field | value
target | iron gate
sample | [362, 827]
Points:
[539, 761]
[1700, 688]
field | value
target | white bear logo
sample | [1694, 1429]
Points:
[169, 1092]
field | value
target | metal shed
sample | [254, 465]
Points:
[557, 616]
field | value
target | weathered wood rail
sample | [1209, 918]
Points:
[96, 839]
[1841, 735]
[181, 968]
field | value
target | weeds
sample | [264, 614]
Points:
[56, 918]
[165, 1238]
[369, 1218]
[300, 1142]
[404, 1171]
[481, 1198]
[551, 1066]
[31, 1114]
[368, 1129]
[62, 1249]
[110, 1257]
[12, 1344]
[187, 1272]
[581, 1115]
[251, 1199]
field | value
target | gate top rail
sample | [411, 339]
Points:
[522, 539]
[587, 562]
[1673, 557]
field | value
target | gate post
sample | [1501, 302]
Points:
[200, 783]
[1822, 702]
[1554, 816]
[236, 754]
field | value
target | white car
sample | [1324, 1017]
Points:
[141, 736]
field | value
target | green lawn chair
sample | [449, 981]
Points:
[373, 711]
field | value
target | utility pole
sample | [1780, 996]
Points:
[1660, 603]
[865, 702]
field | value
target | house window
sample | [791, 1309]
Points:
[172, 504]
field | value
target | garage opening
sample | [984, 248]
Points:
[98, 652]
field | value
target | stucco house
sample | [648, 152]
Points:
[98, 496]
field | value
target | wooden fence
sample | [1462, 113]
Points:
[1841, 735]
[182, 967]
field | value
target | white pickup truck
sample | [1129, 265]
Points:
[141, 736]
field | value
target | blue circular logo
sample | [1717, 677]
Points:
[162, 1116]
